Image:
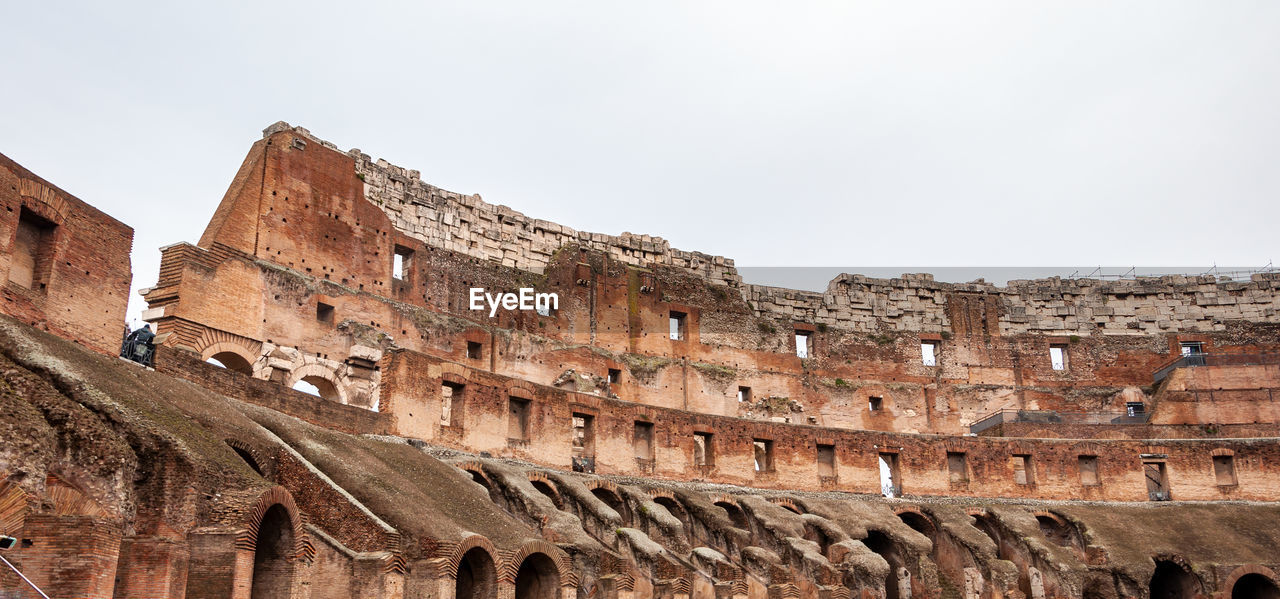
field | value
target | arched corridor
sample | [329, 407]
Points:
[272, 559]
[537, 578]
[477, 577]
[1172, 581]
[1254, 586]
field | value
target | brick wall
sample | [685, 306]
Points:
[80, 285]
[413, 381]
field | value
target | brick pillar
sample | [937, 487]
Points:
[506, 590]
[152, 567]
[213, 565]
[66, 556]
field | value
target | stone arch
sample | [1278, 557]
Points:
[478, 476]
[474, 569]
[543, 484]
[609, 494]
[1251, 582]
[918, 520]
[537, 577]
[788, 504]
[1173, 579]
[275, 538]
[1060, 531]
[251, 456]
[521, 389]
[211, 342]
[324, 379]
[69, 501]
[564, 569]
[455, 373]
[733, 510]
[668, 501]
[232, 355]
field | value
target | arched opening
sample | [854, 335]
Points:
[918, 523]
[543, 487]
[813, 533]
[477, 577]
[248, 458]
[231, 361]
[272, 556]
[537, 578]
[1255, 586]
[1060, 532]
[319, 387]
[1005, 551]
[735, 514]
[675, 509]
[790, 507]
[1171, 581]
[884, 546]
[612, 500]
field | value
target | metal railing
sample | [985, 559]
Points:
[1055, 417]
[1204, 359]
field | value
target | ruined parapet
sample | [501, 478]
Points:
[916, 302]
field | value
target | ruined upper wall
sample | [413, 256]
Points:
[1142, 306]
[64, 265]
[915, 302]
[468, 224]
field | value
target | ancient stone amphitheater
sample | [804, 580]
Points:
[328, 417]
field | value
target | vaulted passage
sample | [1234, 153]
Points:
[272, 563]
[543, 487]
[537, 578]
[1254, 586]
[735, 514]
[612, 500]
[233, 362]
[1170, 581]
[884, 546]
[477, 577]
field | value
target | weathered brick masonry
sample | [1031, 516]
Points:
[63, 263]
[666, 430]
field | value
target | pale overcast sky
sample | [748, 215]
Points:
[851, 134]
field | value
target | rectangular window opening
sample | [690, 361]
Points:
[744, 394]
[1193, 351]
[324, 312]
[518, 419]
[677, 323]
[875, 404]
[1157, 481]
[804, 344]
[957, 467]
[584, 436]
[890, 482]
[826, 460]
[1224, 469]
[32, 257]
[1022, 473]
[703, 450]
[1058, 357]
[642, 442]
[1089, 471]
[474, 350]
[402, 263]
[929, 353]
[450, 404]
[615, 376]
[763, 449]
